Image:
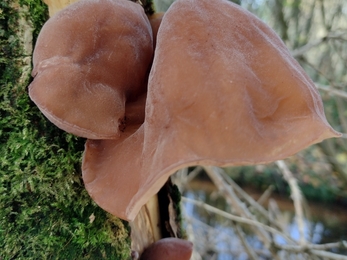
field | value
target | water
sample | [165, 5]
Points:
[215, 237]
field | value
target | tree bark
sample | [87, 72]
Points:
[45, 210]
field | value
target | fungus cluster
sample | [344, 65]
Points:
[217, 86]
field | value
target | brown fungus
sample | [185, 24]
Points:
[91, 59]
[223, 90]
[155, 20]
[168, 249]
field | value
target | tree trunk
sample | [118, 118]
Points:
[45, 211]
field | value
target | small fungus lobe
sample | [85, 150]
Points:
[168, 249]
[91, 59]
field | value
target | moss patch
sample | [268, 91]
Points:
[45, 211]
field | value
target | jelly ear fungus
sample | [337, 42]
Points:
[223, 90]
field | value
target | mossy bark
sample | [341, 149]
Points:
[45, 212]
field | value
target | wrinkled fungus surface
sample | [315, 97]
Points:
[223, 89]
[90, 60]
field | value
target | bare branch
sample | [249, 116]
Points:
[234, 201]
[327, 246]
[314, 250]
[332, 91]
[251, 253]
[265, 195]
[331, 35]
[242, 194]
[296, 197]
[328, 255]
[236, 218]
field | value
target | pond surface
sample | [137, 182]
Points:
[215, 238]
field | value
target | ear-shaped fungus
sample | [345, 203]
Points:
[223, 90]
[91, 59]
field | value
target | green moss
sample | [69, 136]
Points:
[45, 211]
[38, 14]
[176, 199]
